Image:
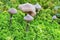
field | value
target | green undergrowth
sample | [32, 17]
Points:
[41, 28]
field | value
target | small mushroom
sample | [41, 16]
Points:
[11, 12]
[54, 17]
[28, 8]
[38, 7]
[28, 18]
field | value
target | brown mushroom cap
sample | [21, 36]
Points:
[28, 8]
[32, 13]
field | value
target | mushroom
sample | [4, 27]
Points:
[28, 18]
[38, 7]
[12, 11]
[28, 8]
[54, 17]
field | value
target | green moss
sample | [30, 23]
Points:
[41, 28]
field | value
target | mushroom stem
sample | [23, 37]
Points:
[11, 19]
[25, 14]
[27, 27]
